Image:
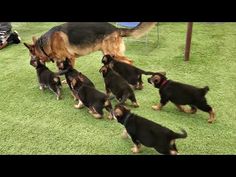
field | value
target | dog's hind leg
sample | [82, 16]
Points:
[58, 93]
[193, 109]
[183, 109]
[207, 108]
[114, 45]
[56, 90]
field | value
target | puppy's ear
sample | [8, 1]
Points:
[104, 59]
[31, 48]
[34, 39]
[103, 69]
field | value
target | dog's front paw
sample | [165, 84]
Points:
[156, 107]
[79, 106]
[58, 98]
[64, 82]
[97, 116]
[135, 104]
[135, 149]
[124, 134]
[110, 116]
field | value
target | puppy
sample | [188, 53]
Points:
[118, 86]
[93, 99]
[181, 94]
[146, 132]
[65, 67]
[46, 77]
[130, 73]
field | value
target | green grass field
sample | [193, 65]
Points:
[33, 122]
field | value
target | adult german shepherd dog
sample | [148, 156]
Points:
[72, 40]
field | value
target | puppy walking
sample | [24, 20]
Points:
[65, 67]
[181, 94]
[93, 99]
[148, 133]
[115, 84]
[130, 73]
[47, 78]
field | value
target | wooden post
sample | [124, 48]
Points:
[188, 41]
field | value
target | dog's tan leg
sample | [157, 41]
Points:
[41, 87]
[64, 82]
[94, 113]
[157, 107]
[172, 152]
[124, 134]
[79, 105]
[72, 94]
[180, 108]
[136, 148]
[72, 60]
[110, 117]
[135, 104]
[97, 116]
[212, 117]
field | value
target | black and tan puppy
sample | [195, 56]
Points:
[117, 85]
[65, 67]
[130, 73]
[146, 132]
[46, 78]
[181, 94]
[93, 99]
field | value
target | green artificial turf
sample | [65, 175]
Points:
[33, 122]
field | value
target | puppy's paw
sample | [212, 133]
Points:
[212, 117]
[64, 82]
[135, 104]
[97, 116]
[110, 117]
[135, 149]
[156, 107]
[79, 106]
[124, 134]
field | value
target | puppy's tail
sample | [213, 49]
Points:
[61, 72]
[145, 72]
[205, 90]
[138, 31]
[180, 135]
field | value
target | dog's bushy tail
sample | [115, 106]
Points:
[180, 135]
[138, 31]
[205, 90]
